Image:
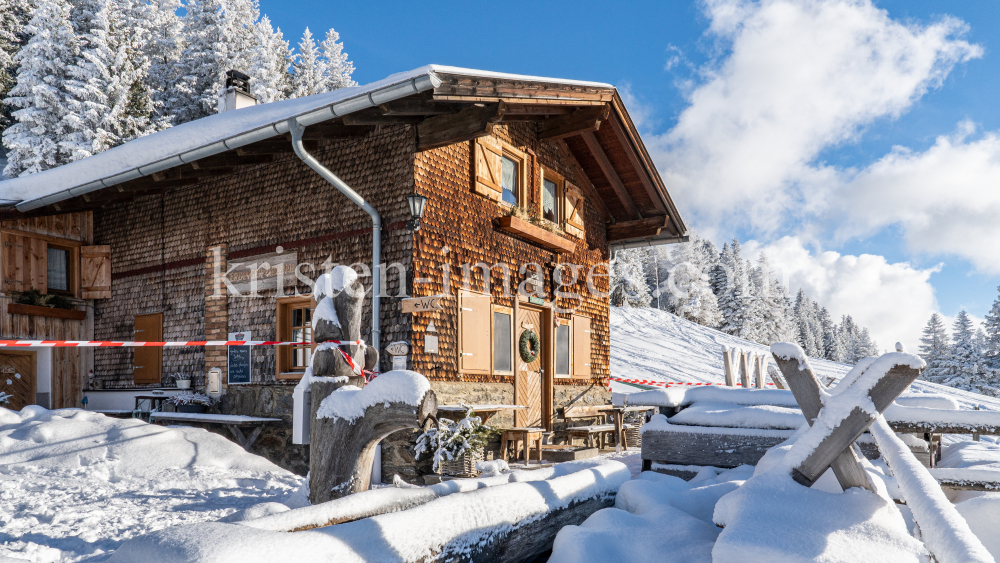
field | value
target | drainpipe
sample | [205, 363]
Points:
[297, 130]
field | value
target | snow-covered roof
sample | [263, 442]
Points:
[227, 131]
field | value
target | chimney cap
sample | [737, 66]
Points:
[237, 79]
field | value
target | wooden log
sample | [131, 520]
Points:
[847, 430]
[727, 363]
[805, 388]
[470, 123]
[342, 451]
[528, 541]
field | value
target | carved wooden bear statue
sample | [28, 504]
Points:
[339, 296]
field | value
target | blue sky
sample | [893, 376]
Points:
[665, 53]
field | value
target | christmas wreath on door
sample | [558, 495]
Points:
[529, 346]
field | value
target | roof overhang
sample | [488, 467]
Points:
[587, 120]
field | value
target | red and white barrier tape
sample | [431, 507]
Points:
[115, 343]
[657, 383]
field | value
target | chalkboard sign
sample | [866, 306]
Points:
[239, 360]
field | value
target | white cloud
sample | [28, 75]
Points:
[798, 77]
[893, 300]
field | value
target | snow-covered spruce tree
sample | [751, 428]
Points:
[628, 279]
[219, 36]
[338, 68]
[271, 58]
[934, 345]
[810, 335]
[310, 73]
[14, 16]
[163, 48]
[109, 102]
[992, 328]
[833, 344]
[735, 301]
[686, 287]
[39, 97]
[718, 276]
[964, 365]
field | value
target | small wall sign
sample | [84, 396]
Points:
[239, 360]
[398, 350]
[536, 300]
[421, 304]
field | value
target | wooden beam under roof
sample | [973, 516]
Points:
[584, 183]
[183, 172]
[583, 120]
[609, 172]
[278, 145]
[470, 123]
[637, 228]
[640, 170]
[334, 130]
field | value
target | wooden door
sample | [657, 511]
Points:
[17, 379]
[147, 362]
[528, 377]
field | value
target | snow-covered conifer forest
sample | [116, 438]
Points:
[79, 77]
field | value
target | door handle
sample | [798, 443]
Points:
[137, 367]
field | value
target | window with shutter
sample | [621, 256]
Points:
[563, 348]
[581, 346]
[488, 164]
[474, 342]
[503, 343]
[95, 272]
[574, 209]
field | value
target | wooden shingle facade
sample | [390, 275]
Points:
[529, 183]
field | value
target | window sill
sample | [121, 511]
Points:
[535, 234]
[51, 312]
[290, 375]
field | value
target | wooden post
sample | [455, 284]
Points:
[761, 371]
[727, 363]
[745, 369]
[806, 390]
[975, 435]
[847, 430]
[775, 375]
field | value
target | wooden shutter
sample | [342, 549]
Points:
[475, 334]
[488, 163]
[574, 206]
[95, 272]
[147, 362]
[25, 261]
[581, 346]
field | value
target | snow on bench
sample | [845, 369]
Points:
[509, 522]
[231, 421]
[968, 479]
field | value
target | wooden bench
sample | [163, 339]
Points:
[230, 421]
[589, 431]
[525, 435]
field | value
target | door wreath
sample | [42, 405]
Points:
[529, 346]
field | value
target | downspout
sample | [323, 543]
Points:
[297, 130]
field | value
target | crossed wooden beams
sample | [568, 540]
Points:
[837, 449]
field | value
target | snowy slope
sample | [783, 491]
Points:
[651, 344]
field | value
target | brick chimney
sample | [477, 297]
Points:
[237, 94]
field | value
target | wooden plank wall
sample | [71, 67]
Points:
[69, 365]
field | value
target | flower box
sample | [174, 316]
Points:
[52, 312]
[520, 227]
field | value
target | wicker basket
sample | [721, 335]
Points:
[463, 466]
[633, 435]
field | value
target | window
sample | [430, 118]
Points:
[562, 350]
[510, 179]
[57, 269]
[294, 324]
[502, 357]
[550, 193]
[301, 332]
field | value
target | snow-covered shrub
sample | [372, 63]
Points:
[449, 440]
[190, 399]
[4, 398]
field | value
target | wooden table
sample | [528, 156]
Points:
[521, 434]
[619, 416]
[484, 411]
[231, 421]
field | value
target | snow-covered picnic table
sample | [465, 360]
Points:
[231, 421]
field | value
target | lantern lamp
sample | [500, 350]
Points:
[416, 203]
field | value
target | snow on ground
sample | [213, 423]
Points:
[651, 344]
[74, 484]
